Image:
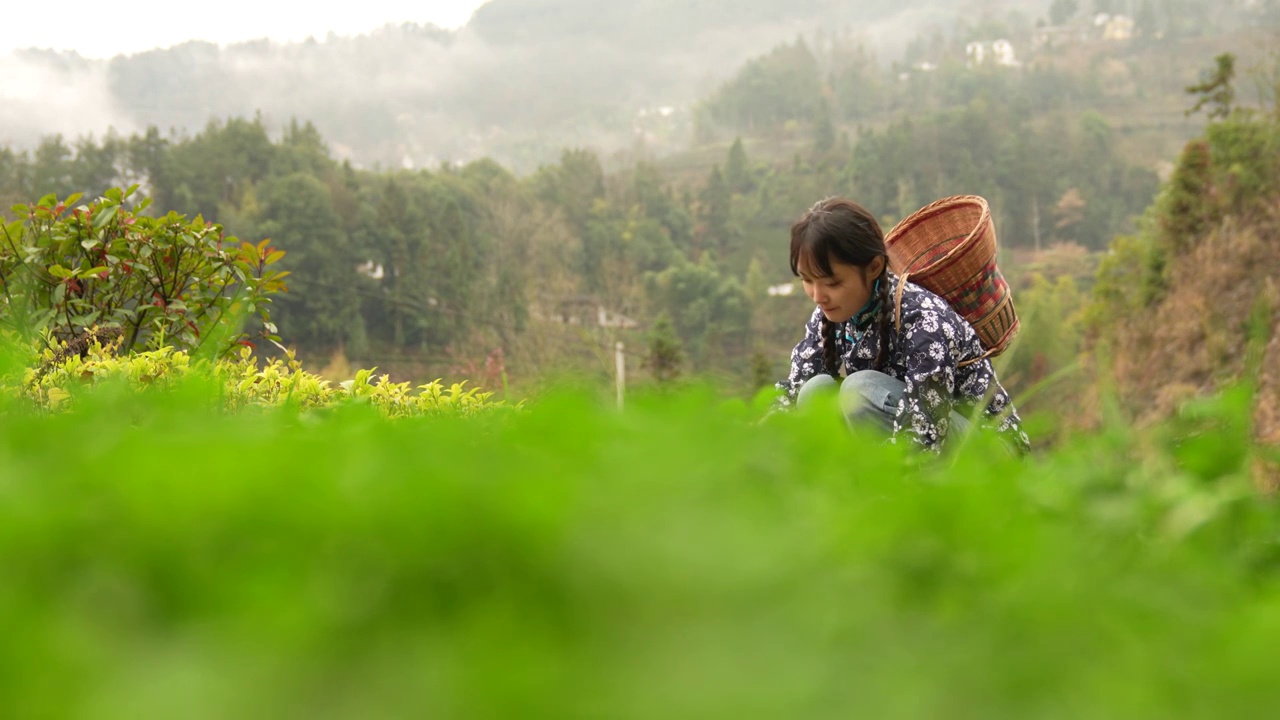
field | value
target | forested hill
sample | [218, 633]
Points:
[664, 25]
[524, 79]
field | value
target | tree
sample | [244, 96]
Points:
[51, 168]
[1215, 88]
[769, 91]
[709, 311]
[574, 186]
[665, 354]
[762, 374]
[737, 169]
[716, 205]
[824, 131]
[1070, 211]
[322, 308]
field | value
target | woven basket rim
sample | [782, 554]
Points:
[900, 230]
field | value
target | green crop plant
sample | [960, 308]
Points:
[162, 557]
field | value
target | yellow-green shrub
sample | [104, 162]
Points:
[243, 382]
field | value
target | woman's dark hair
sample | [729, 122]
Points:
[841, 230]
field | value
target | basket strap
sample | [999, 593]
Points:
[897, 302]
[984, 356]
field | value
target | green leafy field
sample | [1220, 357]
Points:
[161, 557]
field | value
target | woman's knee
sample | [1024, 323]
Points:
[817, 385]
[870, 386]
[870, 395]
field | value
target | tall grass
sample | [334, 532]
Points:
[162, 558]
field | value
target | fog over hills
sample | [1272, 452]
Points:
[524, 78]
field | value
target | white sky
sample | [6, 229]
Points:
[98, 30]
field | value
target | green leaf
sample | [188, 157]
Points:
[90, 244]
[20, 210]
[72, 198]
[59, 272]
[93, 271]
[114, 194]
[105, 216]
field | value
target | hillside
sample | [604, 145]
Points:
[1192, 303]
[524, 79]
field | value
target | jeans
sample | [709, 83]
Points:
[869, 397]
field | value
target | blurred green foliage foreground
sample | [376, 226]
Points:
[163, 557]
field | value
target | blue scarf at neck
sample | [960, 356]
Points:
[862, 319]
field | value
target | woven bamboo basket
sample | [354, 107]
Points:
[949, 247]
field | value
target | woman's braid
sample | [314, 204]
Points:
[830, 354]
[884, 319]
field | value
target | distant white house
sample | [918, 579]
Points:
[665, 111]
[1003, 51]
[607, 319]
[1119, 28]
[1000, 52]
[584, 310]
[368, 269]
[976, 52]
[784, 290]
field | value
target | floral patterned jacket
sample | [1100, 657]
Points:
[926, 357]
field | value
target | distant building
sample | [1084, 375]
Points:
[1003, 51]
[665, 111]
[607, 319]
[1119, 28]
[585, 310]
[1056, 36]
[999, 52]
[976, 53]
[784, 290]
[370, 270]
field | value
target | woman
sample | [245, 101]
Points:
[909, 381]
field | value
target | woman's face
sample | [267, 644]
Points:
[842, 293]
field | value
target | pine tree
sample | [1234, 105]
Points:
[716, 202]
[1215, 88]
[824, 131]
[761, 371]
[665, 352]
[738, 169]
